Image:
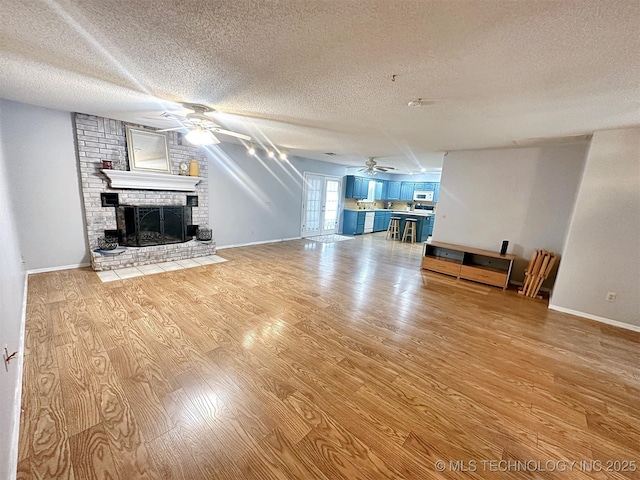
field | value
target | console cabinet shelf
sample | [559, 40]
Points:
[484, 266]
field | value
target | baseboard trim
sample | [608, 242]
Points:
[236, 245]
[608, 321]
[55, 269]
[17, 400]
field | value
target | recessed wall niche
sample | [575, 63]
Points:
[109, 199]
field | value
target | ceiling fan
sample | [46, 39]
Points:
[371, 167]
[201, 126]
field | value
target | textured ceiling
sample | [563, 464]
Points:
[316, 76]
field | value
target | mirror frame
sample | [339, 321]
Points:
[136, 164]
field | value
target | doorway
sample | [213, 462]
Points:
[320, 204]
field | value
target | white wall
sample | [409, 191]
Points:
[12, 280]
[523, 195]
[602, 252]
[44, 185]
[252, 200]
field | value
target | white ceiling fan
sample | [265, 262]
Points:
[371, 167]
[201, 126]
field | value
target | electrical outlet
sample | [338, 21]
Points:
[611, 297]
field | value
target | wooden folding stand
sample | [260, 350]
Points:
[537, 271]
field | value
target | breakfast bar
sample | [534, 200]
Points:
[424, 223]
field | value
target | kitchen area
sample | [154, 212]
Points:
[370, 203]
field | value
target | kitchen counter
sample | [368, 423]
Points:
[419, 213]
[369, 209]
[415, 213]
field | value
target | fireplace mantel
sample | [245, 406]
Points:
[151, 181]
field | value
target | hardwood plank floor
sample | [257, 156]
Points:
[306, 360]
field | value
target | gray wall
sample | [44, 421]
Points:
[257, 200]
[12, 278]
[602, 252]
[523, 195]
[250, 200]
[44, 184]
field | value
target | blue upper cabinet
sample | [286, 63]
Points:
[436, 191]
[420, 186]
[364, 187]
[350, 187]
[393, 190]
[356, 187]
[406, 191]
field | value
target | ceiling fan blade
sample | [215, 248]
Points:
[380, 169]
[230, 133]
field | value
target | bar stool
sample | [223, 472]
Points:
[410, 229]
[393, 230]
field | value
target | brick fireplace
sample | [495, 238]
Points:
[101, 139]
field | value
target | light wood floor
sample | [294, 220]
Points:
[303, 360]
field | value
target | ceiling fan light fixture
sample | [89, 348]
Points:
[200, 136]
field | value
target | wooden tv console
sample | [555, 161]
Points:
[468, 263]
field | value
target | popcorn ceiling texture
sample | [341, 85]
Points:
[317, 76]
[104, 139]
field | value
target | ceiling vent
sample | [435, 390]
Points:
[331, 154]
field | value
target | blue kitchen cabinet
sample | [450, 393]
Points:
[364, 187]
[387, 219]
[393, 190]
[381, 221]
[354, 187]
[427, 228]
[349, 221]
[436, 191]
[353, 222]
[360, 223]
[350, 186]
[424, 225]
[406, 191]
[377, 221]
[420, 186]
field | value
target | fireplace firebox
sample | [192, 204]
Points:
[143, 226]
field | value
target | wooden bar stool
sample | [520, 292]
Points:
[393, 230]
[410, 229]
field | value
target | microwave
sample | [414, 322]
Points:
[422, 196]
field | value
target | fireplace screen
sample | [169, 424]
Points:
[146, 226]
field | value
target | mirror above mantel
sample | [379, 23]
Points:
[151, 181]
[148, 151]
